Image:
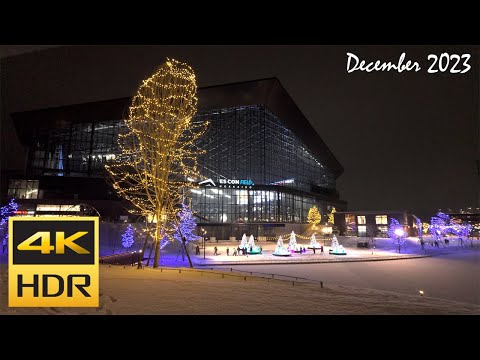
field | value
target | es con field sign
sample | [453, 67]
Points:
[53, 262]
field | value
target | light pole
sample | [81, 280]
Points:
[203, 236]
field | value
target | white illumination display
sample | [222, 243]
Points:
[195, 191]
[72, 208]
[399, 232]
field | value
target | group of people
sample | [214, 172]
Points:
[321, 249]
[236, 251]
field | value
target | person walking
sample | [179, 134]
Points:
[228, 251]
[321, 249]
[215, 251]
[314, 250]
[234, 252]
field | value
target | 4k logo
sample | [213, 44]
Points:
[53, 262]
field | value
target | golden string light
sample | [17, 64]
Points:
[158, 152]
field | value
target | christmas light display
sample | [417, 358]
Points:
[462, 231]
[419, 227]
[292, 244]
[425, 227]
[5, 212]
[127, 237]
[186, 225]
[440, 225]
[158, 152]
[314, 216]
[252, 248]
[243, 243]
[280, 249]
[331, 217]
[336, 248]
[313, 243]
[397, 233]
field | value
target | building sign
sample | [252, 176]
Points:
[235, 182]
[208, 182]
[53, 262]
[228, 183]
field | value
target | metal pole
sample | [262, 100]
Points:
[203, 246]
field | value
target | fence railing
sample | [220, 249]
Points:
[241, 274]
[125, 258]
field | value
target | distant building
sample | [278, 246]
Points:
[372, 223]
[469, 215]
[265, 166]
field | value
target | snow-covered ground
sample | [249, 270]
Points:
[452, 276]
[149, 291]
[449, 280]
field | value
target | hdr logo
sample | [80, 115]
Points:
[53, 262]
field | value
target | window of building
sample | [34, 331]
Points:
[23, 189]
[382, 230]
[69, 208]
[349, 219]
[361, 220]
[381, 220]
[362, 230]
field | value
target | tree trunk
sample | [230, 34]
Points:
[143, 251]
[186, 250]
[184, 241]
[150, 253]
[157, 254]
[158, 241]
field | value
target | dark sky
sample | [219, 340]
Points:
[406, 140]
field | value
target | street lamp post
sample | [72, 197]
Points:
[203, 236]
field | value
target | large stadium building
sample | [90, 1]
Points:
[265, 166]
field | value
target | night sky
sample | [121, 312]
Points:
[406, 140]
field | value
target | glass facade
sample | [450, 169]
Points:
[250, 142]
[244, 143]
[79, 150]
[218, 205]
[23, 189]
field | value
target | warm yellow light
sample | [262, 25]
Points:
[158, 148]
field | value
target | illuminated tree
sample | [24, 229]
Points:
[440, 225]
[335, 243]
[462, 231]
[418, 222]
[331, 217]
[127, 237]
[313, 242]
[397, 233]
[5, 213]
[185, 226]
[292, 244]
[158, 152]
[314, 216]
[425, 227]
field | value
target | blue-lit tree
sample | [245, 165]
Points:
[127, 237]
[397, 233]
[186, 225]
[419, 228]
[440, 225]
[184, 228]
[5, 213]
[461, 230]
